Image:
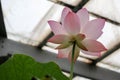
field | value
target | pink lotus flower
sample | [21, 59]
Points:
[76, 27]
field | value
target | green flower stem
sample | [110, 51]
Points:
[72, 62]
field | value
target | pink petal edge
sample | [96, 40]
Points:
[72, 23]
[58, 39]
[65, 11]
[93, 45]
[93, 29]
[56, 27]
[83, 16]
[91, 53]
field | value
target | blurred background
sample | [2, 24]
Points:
[26, 22]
